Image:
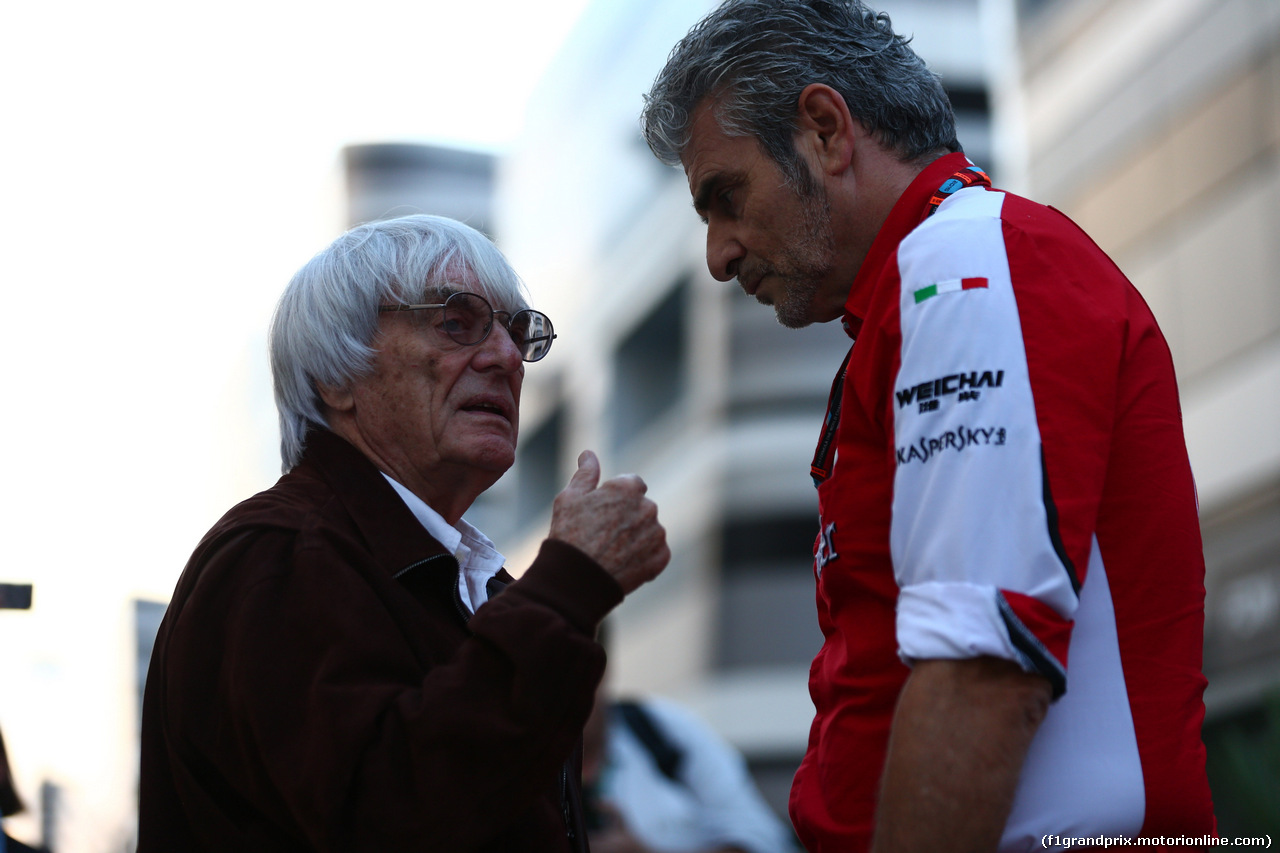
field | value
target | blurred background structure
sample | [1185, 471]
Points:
[1153, 123]
[1156, 125]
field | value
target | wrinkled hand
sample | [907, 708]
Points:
[611, 522]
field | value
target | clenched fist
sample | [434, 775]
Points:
[611, 522]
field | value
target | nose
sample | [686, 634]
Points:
[499, 350]
[724, 252]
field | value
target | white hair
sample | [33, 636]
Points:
[324, 326]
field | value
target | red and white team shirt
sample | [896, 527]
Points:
[1004, 473]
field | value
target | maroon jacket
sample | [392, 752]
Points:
[316, 684]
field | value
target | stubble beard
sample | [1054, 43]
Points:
[807, 259]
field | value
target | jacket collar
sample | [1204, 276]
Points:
[908, 212]
[388, 527]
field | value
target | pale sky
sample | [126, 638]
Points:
[164, 168]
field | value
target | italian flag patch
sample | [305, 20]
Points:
[949, 286]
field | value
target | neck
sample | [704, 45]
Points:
[449, 490]
[882, 178]
[862, 201]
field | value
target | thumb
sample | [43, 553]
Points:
[587, 477]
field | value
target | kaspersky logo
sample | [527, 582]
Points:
[964, 385]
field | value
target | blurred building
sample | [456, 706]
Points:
[1155, 124]
[384, 180]
[680, 378]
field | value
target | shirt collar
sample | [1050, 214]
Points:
[395, 537]
[911, 207]
[478, 558]
[464, 537]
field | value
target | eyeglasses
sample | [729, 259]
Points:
[468, 319]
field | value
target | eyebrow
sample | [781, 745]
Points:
[702, 195]
[441, 289]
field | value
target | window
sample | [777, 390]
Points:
[774, 370]
[650, 369]
[767, 581]
[541, 465]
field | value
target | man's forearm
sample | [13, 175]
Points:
[960, 734]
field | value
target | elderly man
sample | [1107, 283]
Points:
[345, 664]
[1009, 571]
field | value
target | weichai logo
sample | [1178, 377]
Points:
[966, 385]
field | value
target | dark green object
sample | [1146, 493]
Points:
[1244, 769]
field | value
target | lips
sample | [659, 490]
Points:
[753, 289]
[750, 277]
[490, 404]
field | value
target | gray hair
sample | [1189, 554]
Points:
[324, 326]
[755, 57]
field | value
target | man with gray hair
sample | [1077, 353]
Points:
[337, 670]
[1003, 483]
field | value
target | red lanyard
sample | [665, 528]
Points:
[968, 177]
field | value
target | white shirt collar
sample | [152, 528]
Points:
[478, 558]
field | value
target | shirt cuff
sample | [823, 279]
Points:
[956, 621]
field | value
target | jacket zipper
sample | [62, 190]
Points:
[564, 800]
[430, 559]
[458, 606]
[457, 600]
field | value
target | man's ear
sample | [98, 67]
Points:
[337, 397]
[825, 127]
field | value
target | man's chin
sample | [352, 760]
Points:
[790, 320]
[784, 312]
[792, 312]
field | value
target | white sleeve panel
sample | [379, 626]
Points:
[968, 504]
[951, 621]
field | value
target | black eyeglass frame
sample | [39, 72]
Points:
[531, 349]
